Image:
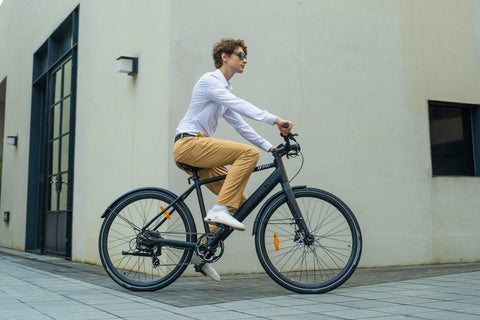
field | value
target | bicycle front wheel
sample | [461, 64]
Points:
[125, 251]
[305, 266]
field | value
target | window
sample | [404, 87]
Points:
[454, 138]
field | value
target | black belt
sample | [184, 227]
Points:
[183, 135]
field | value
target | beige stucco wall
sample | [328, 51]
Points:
[22, 33]
[353, 76]
[441, 56]
[122, 121]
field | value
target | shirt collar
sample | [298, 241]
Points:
[221, 77]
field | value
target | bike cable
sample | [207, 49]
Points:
[299, 169]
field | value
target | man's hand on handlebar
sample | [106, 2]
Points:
[284, 126]
[288, 149]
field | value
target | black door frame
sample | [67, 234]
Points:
[61, 45]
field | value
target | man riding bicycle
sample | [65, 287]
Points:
[194, 145]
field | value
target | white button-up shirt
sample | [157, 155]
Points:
[211, 100]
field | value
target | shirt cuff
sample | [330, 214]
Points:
[270, 118]
[266, 146]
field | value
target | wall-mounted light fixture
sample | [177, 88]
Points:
[12, 140]
[127, 65]
[6, 216]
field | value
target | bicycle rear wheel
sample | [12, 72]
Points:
[294, 263]
[125, 251]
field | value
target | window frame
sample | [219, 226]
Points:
[473, 113]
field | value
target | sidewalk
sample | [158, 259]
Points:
[42, 287]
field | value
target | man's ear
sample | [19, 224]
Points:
[224, 56]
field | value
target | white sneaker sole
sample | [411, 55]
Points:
[214, 222]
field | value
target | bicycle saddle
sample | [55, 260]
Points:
[189, 168]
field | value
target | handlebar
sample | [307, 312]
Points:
[288, 149]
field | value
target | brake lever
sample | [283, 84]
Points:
[292, 136]
[287, 139]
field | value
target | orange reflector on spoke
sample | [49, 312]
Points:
[275, 241]
[166, 214]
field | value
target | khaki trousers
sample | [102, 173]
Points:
[213, 155]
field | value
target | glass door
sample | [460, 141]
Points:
[59, 209]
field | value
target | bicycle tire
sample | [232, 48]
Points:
[120, 231]
[325, 264]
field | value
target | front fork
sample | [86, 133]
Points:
[293, 206]
[297, 214]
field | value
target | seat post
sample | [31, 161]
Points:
[194, 176]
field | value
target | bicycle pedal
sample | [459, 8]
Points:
[199, 267]
[213, 228]
[221, 225]
[216, 225]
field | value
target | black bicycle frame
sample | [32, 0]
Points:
[279, 175]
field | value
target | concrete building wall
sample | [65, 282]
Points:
[122, 133]
[355, 77]
[22, 33]
[441, 58]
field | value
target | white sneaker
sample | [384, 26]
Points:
[207, 269]
[224, 217]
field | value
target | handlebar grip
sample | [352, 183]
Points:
[285, 125]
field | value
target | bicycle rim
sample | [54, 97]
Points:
[309, 268]
[141, 267]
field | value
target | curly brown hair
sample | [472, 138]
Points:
[228, 46]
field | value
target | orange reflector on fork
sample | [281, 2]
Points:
[165, 213]
[275, 241]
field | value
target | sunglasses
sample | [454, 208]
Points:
[241, 55]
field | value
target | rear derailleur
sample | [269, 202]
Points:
[144, 247]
